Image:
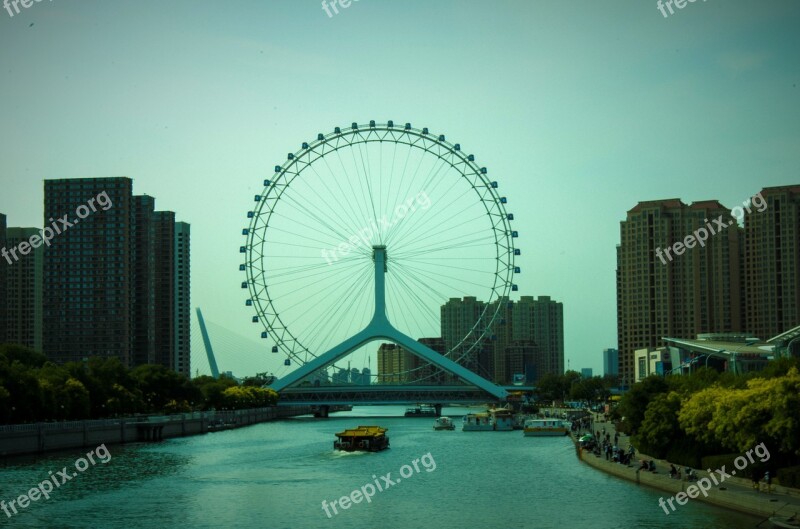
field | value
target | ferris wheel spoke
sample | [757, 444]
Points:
[416, 275]
[325, 316]
[441, 231]
[335, 224]
[456, 243]
[350, 221]
[323, 326]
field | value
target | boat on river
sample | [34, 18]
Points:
[544, 428]
[444, 423]
[421, 411]
[362, 439]
[499, 420]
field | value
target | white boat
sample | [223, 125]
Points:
[477, 422]
[544, 428]
[499, 420]
[502, 419]
[444, 423]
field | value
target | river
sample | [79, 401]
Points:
[277, 475]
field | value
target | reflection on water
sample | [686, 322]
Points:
[277, 475]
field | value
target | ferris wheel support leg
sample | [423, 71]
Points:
[322, 361]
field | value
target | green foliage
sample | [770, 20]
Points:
[634, 403]
[660, 426]
[34, 389]
[767, 410]
[789, 477]
[239, 397]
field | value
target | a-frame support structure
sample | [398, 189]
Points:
[379, 328]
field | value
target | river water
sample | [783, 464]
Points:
[277, 474]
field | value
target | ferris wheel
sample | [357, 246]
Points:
[366, 194]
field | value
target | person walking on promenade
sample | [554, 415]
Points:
[768, 481]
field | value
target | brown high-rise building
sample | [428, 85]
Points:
[661, 293]
[772, 261]
[540, 321]
[526, 337]
[182, 312]
[23, 290]
[143, 308]
[164, 249]
[88, 271]
[116, 280]
[463, 323]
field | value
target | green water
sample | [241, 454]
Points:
[277, 474]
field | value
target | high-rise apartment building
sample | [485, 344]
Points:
[772, 261]
[22, 299]
[541, 320]
[525, 338]
[116, 281]
[88, 271]
[675, 294]
[143, 307]
[182, 350]
[164, 250]
[463, 322]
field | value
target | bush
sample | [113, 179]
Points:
[716, 462]
[789, 477]
[686, 452]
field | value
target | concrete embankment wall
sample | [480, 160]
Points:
[20, 439]
[729, 497]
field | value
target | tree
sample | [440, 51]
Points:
[660, 426]
[634, 403]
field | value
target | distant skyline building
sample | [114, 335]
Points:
[22, 298]
[526, 337]
[542, 321]
[610, 362]
[696, 291]
[586, 372]
[772, 262]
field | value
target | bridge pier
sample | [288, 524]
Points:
[322, 411]
[438, 408]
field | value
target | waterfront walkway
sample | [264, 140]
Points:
[734, 493]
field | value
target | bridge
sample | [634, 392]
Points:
[384, 394]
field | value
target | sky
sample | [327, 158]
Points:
[579, 110]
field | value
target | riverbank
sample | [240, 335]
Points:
[37, 438]
[734, 493]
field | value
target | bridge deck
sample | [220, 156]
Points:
[386, 394]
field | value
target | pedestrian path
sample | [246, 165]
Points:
[732, 492]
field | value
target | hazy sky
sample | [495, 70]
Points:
[579, 109]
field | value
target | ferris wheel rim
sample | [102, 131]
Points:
[431, 144]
